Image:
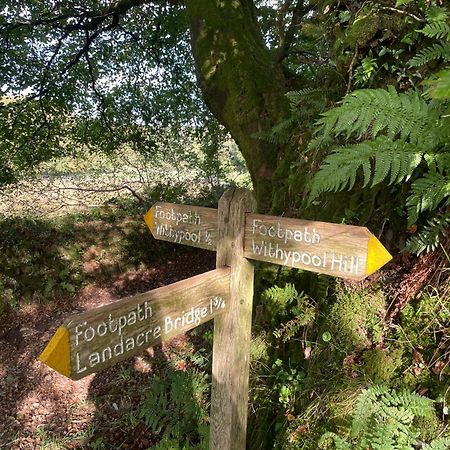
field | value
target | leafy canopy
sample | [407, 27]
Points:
[94, 75]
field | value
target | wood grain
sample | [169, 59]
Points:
[195, 226]
[232, 330]
[101, 337]
[333, 249]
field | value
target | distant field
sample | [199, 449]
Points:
[76, 184]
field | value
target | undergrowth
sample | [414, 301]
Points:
[310, 386]
[324, 354]
[46, 258]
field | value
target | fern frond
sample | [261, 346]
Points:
[438, 161]
[431, 53]
[280, 133]
[384, 419]
[435, 14]
[335, 440]
[340, 168]
[438, 444]
[427, 194]
[281, 295]
[366, 405]
[379, 111]
[439, 88]
[305, 313]
[429, 238]
[295, 97]
[437, 30]
[418, 405]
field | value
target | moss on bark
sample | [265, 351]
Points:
[242, 83]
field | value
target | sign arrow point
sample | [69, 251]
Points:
[149, 218]
[57, 353]
[377, 255]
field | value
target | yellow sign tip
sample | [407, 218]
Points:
[57, 353]
[149, 218]
[377, 255]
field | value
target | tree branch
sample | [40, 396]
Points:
[116, 189]
[85, 21]
[98, 95]
[285, 43]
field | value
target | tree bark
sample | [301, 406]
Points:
[242, 84]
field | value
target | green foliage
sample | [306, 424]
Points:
[380, 366]
[33, 264]
[435, 51]
[365, 72]
[428, 239]
[288, 383]
[438, 29]
[384, 420]
[422, 322]
[438, 444]
[277, 299]
[427, 193]
[377, 159]
[439, 86]
[391, 137]
[401, 135]
[68, 85]
[373, 112]
[175, 409]
[284, 302]
[355, 319]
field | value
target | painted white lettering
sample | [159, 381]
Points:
[118, 348]
[79, 369]
[89, 334]
[102, 329]
[78, 332]
[129, 344]
[94, 359]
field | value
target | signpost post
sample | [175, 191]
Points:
[93, 340]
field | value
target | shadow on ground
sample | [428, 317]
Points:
[100, 263]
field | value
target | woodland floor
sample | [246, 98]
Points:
[40, 408]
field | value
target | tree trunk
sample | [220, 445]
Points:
[242, 84]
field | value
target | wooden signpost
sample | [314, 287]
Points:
[342, 251]
[93, 340]
[195, 226]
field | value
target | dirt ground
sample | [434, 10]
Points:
[41, 409]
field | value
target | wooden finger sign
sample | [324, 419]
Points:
[94, 340]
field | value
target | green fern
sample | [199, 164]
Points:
[292, 309]
[427, 194]
[304, 312]
[280, 133]
[435, 51]
[439, 86]
[438, 444]
[436, 14]
[303, 103]
[372, 112]
[175, 407]
[437, 30]
[332, 438]
[377, 159]
[428, 239]
[281, 297]
[384, 420]
[398, 132]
